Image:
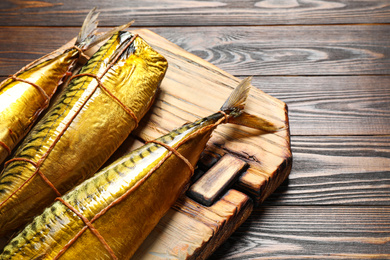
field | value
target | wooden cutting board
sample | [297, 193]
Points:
[238, 170]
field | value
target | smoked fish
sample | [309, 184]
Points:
[24, 95]
[109, 215]
[93, 116]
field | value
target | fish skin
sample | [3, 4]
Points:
[94, 126]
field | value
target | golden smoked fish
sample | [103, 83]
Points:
[97, 111]
[26, 94]
[109, 215]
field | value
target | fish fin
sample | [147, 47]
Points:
[255, 122]
[235, 105]
[88, 38]
[88, 28]
[236, 100]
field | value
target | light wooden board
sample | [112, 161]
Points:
[191, 89]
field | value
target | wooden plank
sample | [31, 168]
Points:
[209, 187]
[337, 170]
[276, 50]
[289, 50]
[196, 12]
[260, 183]
[277, 232]
[20, 46]
[183, 100]
[341, 105]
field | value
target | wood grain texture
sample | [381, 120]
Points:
[341, 105]
[195, 12]
[18, 47]
[276, 50]
[260, 183]
[337, 170]
[289, 50]
[277, 232]
[208, 188]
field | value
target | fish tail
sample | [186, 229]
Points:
[234, 108]
[88, 37]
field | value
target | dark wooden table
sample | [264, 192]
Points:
[329, 60]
